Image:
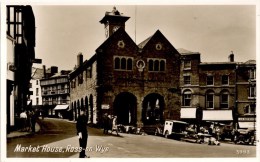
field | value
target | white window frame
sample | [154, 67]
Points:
[187, 95]
[207, 102]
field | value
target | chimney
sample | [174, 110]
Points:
[79, 59]
[44, 71]
[54, 69]
[231, 57]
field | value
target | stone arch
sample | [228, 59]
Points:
[152, 109]
[125, 108]
[87, 106]
[91, 108]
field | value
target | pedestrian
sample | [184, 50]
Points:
[33, 121]
[82, 133]
[114, 125]
[23, 117]
[105, 124]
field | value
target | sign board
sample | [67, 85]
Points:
[105, 106]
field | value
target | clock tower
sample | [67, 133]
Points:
[113, 21]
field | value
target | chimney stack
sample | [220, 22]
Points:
[79, 59]
[44, 71]
[231, 57]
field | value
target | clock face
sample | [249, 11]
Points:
[115, 28]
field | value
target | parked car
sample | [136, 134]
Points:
[155, 129]
[175, 129]
[245, 136]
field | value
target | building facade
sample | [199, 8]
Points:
[152, 81]
[36, 98]
[137, 83]
[20, 23]
[55, 93]
[246, 94]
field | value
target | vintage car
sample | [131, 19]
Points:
[175, 129]
[245, 136]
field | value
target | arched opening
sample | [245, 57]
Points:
[153, 106]
[91, 108]
[125, 107]
[86, 106]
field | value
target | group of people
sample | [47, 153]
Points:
[110, 123]
[28, 120]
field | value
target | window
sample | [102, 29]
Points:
[187, 64]
[186, 98]
[224, 100]
[37, 91]
[252, 92]
[250, 109]
[80, 79]
[123, 63]
[37, 101]
[89, 72]
[155, 65]
[186, 80]
[210, 80]
[224, 79]
[210, 100]
[37, 82]
[252, 74]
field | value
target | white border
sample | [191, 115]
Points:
[114, 2]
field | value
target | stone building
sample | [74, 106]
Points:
[246, 94]
[137, 83]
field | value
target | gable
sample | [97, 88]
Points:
[118, 42]
[157, 43]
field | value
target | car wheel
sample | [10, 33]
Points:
[166, 135]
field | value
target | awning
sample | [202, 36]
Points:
[246, 125]
[217, 115]
[61, 107]
[188, 113]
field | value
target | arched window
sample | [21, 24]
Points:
[162, 65]
[210, 99]
[117, 63]
[150, 65]
[186, 98]
[129, 64]
[123, 63]
[156, 65]
[224, 97]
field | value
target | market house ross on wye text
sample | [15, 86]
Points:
[69, 148]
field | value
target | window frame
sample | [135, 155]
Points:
[226, 94]
[185, 62]
[225, 79]
[187, 95]
[211, 93]
[123, 63]
[156, 65]
[207, 80]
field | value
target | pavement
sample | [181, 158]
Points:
[18, 133]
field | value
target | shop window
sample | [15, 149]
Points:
[186, 97]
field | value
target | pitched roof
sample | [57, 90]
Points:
[183, 51]
[143, 43]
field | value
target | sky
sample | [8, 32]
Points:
[63, 31]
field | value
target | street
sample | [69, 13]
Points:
[58, 140]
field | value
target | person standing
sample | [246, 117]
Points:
[105, 123]
[82, 132]
[23, 117]
[114, 125]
